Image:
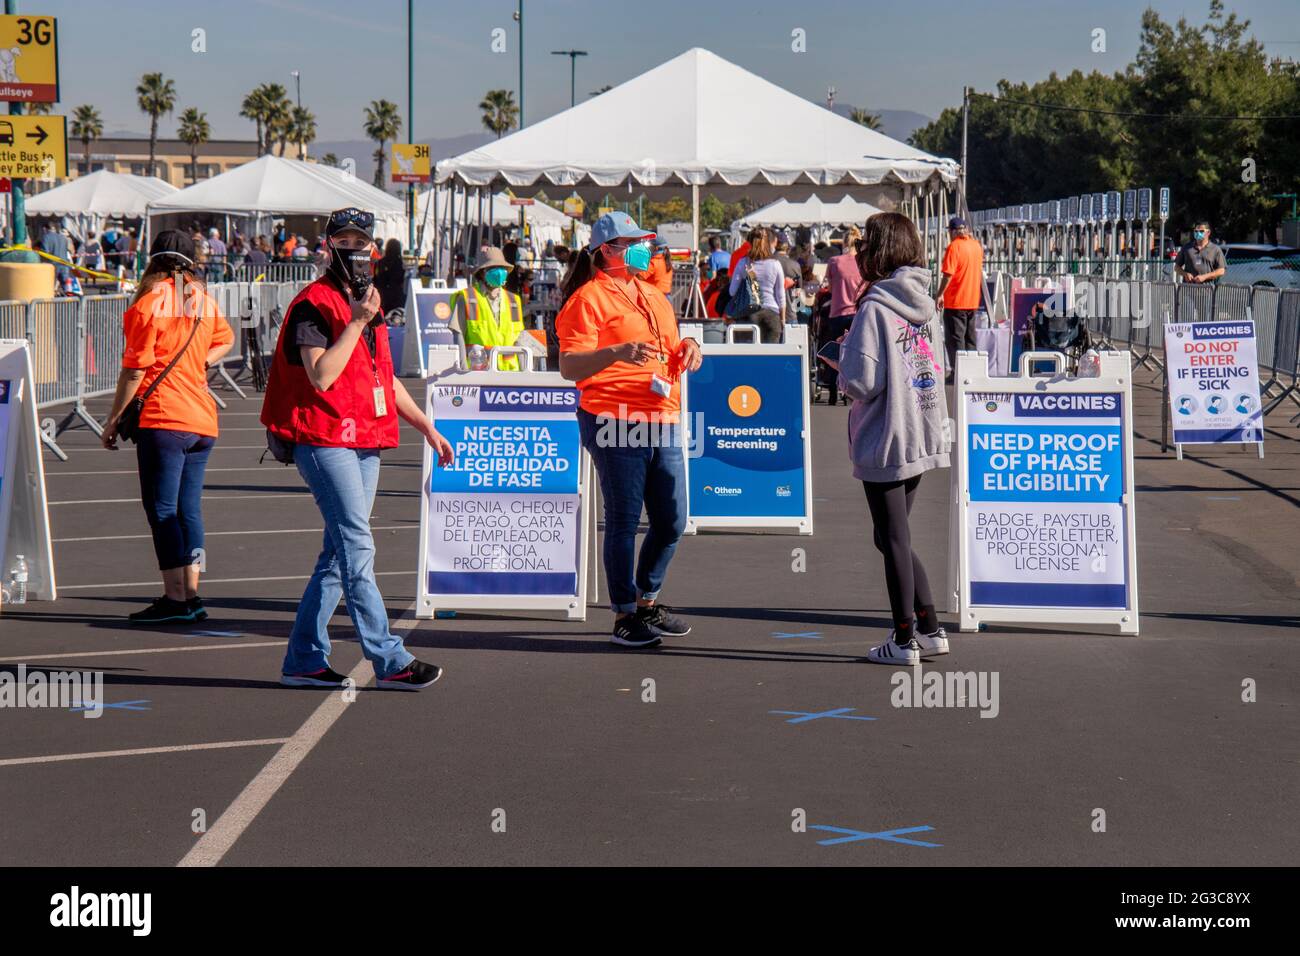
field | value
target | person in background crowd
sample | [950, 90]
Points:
[300, 252]
[737, 254]
[619, 341]
[178, 424]
[332, 396]
[563, 254]
[660, 273]
[135, 257]
[55, 243]
[959, 290]
[216, 256]
[92, 253]
[287, 246]
[487, 313]
[889, 364]
[788, 266]
[770, 317]
[718, 258]
[257, 253]
[845, 283]
[1200, 260]
[390, 278]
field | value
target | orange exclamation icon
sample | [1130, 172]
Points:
[744, 400]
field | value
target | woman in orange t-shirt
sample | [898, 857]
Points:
[618, 340]
[178, 424]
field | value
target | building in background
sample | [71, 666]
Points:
[171, 159]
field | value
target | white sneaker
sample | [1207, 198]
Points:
[936, 643]
[891, 653]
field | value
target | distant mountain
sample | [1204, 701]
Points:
[896, 124]
[362, 151]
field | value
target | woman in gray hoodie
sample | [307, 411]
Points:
[890, 365]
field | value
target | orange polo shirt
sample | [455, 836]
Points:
[963, 260]
[659, 274]
[602, 313]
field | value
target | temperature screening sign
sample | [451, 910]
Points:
[1045, 522]
[505, 517]
[1213, 382]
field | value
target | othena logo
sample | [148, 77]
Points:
[134, 910]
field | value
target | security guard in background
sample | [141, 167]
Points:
[485, 313]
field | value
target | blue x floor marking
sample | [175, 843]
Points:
[803, 716]
[853, 836]
[804, 635]
[120, 705]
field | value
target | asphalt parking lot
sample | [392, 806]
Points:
[538, 747]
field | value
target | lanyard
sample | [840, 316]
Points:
[648, 313]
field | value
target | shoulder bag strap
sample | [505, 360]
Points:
[172, 364]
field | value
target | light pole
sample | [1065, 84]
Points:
[573, 61]
[297, 84]
[519, 18]
[410, 117]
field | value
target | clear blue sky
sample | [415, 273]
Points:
[912, 55]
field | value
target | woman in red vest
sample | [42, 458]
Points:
[332, 404]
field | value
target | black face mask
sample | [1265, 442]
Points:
[352, 268]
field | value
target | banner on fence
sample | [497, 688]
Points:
[505, 525]
[1213, 382]
[24, 513]
[1044, 523]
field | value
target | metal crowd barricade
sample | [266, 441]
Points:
[1264, 303]
[13, 320]
[1286, 348]
[101, 350]
[686, 299]
[1231, 303]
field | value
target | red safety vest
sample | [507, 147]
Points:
[342, 416]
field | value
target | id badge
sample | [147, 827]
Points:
[661, 386]
[381, 405]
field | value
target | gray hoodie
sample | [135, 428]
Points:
[891, 364]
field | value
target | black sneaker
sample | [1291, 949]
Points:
[163, 611]
[196, 605]
[633, 631]
[662, 621]
[416, 674]
[325, 677]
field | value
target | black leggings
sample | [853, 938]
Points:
[909, 588]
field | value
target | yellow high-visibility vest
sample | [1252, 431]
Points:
[485, 329]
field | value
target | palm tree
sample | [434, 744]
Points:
[302, 129]
[194, 130]
[254, 108]
[863, 118]
[329, 159]
[87, 125]
[383, 123]
[604, 89]
[40, 109]
[279, 115]
[500, 112]
[156, 96]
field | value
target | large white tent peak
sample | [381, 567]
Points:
[701, 120]
[101, 194]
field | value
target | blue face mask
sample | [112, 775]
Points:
[1199, 234]
[637, 257]
[496, 278]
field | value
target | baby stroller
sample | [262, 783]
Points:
[1067, 334]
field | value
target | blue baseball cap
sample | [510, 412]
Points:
[956, 222]
[615, 225]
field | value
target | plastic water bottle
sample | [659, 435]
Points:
[478, 358]
[18, 581]
[1089, 364]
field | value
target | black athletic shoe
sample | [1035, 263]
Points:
[196, 605]
[417, 674]
[163, 611]
[661, 619]
[633, 631]
[325, 677]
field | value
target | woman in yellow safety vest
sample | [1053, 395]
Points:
[486, 313]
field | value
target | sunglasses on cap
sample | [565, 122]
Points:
[352, 217]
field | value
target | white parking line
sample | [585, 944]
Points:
[219, 745]
[49, 473]
[154, 584]
[32, 658]
[213, 534]
[221, 836]
[206, 498]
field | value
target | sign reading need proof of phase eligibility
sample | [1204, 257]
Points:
[1046, 519]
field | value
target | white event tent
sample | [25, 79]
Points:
[91, 200]
[811, 212]
[545, 222]
[272, 187]
[711, 125]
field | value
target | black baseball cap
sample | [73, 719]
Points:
[172, 242]
[358, 220]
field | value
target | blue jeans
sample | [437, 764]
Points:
[343, 482]
[634, 474]
[171, 466]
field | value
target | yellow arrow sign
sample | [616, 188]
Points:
[29, 59]
[33, 147]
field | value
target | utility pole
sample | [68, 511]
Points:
[410, 118]
[297, 83]
[573, 60]
[964, 203]
[830, 97]
[16, 195]
[519, 17]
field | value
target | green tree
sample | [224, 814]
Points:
[155, 96]
[500, 112]
[863, 118]
[302, 129]
[87, 125]
[279, 117]
[256, 107]
[383, 123]
[194, 130]
[329, 159]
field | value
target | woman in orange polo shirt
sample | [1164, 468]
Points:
[618, 340]
[178, 424]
